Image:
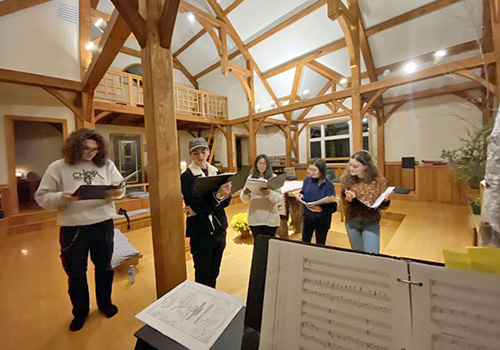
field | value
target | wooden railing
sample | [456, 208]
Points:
[125, 88]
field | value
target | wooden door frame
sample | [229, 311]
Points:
[143, 147]
[235, 158]
[10, 143]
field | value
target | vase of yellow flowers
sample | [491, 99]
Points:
[239, 223]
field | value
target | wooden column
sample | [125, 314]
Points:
[84, 20]
[495, 26]
[381, 142]
[88, 110]
[167, 219]
[252, 136]
[229, 148]
[288, 135]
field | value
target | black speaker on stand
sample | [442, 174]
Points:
[408, 173]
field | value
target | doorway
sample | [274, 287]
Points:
[32, 144]
[127, 155]
[241, 150]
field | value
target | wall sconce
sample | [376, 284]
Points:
[19, 173]
[183, 166]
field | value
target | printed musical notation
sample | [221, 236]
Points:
[335, 287]
[458, 309]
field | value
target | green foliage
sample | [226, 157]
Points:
[469, 160]
[240, 222]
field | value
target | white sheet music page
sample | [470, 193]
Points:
[318, 298]
[192, 314]
[454, 309]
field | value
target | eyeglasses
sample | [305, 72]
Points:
[91, 149]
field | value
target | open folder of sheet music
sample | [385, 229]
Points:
[326, 298]
[100, 191]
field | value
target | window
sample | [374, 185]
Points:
[333, 140]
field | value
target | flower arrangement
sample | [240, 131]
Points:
[240, 223]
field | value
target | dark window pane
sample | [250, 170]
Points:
[314, 131]
[315, 149]
[335, 129]
[365, 127]
[337, 148]
[365, 143]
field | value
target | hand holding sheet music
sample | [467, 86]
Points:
[324, 200]
[100, 191]
[254, 185]
[380, 199]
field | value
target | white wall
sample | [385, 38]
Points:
[424, 127]
[34, 36]
[31, 102]
[37, 145]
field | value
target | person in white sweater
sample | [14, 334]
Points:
[87, 225]
[263, 214]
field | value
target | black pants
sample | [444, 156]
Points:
[207, 256]
[76, 243]
[263, 230]
[319, 224]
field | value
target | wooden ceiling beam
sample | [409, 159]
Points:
[432, 92]
[112, 41]
[167, 22]
[468, 63]
[340, 44]
[203, 31]
[323, 117]
[185, 6]
[325, 71]
[23, 78]
[180, 66]
[10, 6]
[129, 10]
[94, 3]
[320, 93]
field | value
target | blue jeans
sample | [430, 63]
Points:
[364, 234]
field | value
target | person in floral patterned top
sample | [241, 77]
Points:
[363, 183]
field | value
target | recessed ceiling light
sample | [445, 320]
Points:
[410, 67]
[191, 17]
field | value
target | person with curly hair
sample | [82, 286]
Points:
[362, 181]
[87, 225]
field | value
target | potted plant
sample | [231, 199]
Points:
[239, 222]
[476, 206]
[469, 160]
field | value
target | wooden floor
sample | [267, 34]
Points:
[35, 310]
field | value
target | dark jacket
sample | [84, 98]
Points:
[200, 224]
[312, 192]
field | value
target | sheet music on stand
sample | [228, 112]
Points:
[317, 298]
[454, 309]
[322, 298]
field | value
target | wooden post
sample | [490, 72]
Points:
[229, 148]
[167, 219]
[288, 134]
[252, 136]
[381, 142]
[84, 20]
[88, 110]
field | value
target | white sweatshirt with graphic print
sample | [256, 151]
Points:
[61, 177]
